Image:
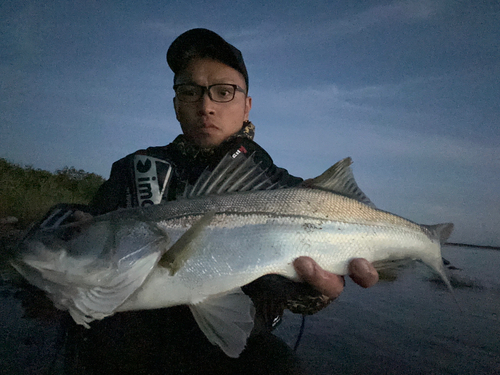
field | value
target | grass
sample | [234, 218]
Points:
[27, 193]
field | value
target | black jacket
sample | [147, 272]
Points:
[182, 163]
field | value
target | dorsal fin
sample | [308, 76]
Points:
[233, 174]
[339, 179]
[440, 232]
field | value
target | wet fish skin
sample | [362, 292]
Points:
[259, 233]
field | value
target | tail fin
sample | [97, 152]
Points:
[442, 232]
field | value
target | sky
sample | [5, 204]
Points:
[408, 89]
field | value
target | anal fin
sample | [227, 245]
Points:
[226, 320]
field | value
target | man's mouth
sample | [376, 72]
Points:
[209, 125]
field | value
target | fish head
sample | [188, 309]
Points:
[92, 244]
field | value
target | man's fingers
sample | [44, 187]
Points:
[327, 283]
[362, 272]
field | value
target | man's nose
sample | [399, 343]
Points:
[207, 105]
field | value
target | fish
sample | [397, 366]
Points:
[231, 227]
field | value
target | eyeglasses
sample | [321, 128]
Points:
[220, 93]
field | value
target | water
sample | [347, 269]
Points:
[408, 326]
[411, 325]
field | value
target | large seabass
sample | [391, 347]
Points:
[225, 233]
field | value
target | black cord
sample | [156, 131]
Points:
[301, 331]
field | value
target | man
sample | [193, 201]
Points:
[212, 106]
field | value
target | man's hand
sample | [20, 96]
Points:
[361, 272]
[63, 214]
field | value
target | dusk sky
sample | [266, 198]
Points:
[409, 89]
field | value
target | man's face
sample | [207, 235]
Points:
[205, 122]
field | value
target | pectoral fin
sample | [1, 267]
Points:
[226, 320]
[185, 246]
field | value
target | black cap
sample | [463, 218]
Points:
[204, 43]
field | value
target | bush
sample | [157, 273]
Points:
[28, 193]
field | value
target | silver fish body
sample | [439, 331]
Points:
[199, 250]
[257, 233]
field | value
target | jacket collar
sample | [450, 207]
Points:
[188, 148]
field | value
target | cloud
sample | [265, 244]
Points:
[385, 15]
[168, 30]
[300, 31]
[295, 29]
[398, 11]
[401, 161]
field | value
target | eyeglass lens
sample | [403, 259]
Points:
[218, 93]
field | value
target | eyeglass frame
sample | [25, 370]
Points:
[206, 89]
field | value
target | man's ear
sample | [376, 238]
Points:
[175, 108]
[248, 107]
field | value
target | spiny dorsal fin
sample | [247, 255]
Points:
[232, 174]
[339, 179]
